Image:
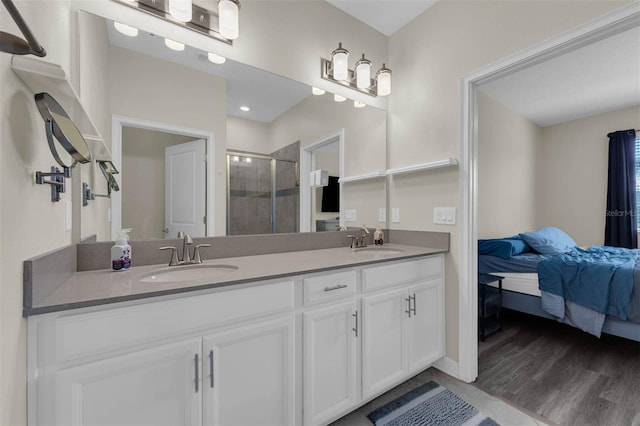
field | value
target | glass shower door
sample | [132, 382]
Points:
[249, 195]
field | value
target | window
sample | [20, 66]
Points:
[638, 182]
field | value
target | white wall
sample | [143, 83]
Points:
[572, 174]
[507, 170]
[429, 57]
[248, 135]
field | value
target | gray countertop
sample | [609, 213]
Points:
[99, 287]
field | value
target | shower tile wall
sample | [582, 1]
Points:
[250, 201]
[287, 188]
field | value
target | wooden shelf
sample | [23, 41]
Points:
[41, 76]
[449, 162]
[359, 178]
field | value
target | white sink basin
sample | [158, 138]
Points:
[186, 273]
[377, 251]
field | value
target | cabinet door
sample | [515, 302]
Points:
[249, 375]
[156, 386]
[383, 340]
[330, 360]
[426, 324]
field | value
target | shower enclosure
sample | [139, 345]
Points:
[262, 194]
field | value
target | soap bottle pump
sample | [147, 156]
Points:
[378, 236]
[121, 252]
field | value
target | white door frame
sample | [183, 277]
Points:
[117, 122]
[306, 165]
[617, 21]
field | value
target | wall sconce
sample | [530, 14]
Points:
[221, 24]
[337, 70]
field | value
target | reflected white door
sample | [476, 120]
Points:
[185, 189]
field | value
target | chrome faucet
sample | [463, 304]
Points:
[361, 240]
[186, 258]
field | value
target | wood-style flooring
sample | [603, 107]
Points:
[560, 373]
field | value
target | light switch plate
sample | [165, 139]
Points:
[382, 214]
[444, 215]
[395, 215]
[350, 216]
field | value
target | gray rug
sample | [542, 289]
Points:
[429, 405]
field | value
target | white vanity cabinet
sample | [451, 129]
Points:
[240, 355]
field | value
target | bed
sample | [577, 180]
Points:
[520, 265]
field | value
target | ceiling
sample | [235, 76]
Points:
[386, 16]
[597, 78]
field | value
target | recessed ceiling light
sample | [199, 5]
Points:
[245, 108]
[359, 104]
[339, 98]
[216, 59]
[125, 29]
[317, 91]
[174, 45]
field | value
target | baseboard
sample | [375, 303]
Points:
[448, 366]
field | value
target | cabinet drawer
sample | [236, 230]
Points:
[85, 334]
[329, 286]
[391, 274]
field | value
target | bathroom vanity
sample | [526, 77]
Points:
[284, 339]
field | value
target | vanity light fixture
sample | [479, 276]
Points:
[339, 98]
[359, 104]
[340, 63]
[181, 10]
[318, 92]
[363, 73]
[216, 59]
[125, 29]
[228, 18]
[218, 19]
[383, 81]
[337, 70]
[174, 45]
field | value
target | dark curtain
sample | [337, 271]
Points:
[621, 227]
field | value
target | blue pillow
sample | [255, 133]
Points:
[504, 248]
[549, 240]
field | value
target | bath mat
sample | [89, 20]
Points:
[429, 405]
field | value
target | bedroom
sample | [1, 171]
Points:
[548, 167]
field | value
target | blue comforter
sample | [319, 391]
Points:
[601, 279]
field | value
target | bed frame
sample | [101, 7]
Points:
[531, 304]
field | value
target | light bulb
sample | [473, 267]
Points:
[125, 29]
[359, 104]
[181, 10]
[174, 45]
[363, 73]
[339, 98]
[245, 108]
[383, 80]
[228, 19]
[316, 91]
[216, 59]
[340, 64]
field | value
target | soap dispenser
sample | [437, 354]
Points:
[121, 252]
[378, 236]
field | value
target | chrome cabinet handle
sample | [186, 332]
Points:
[414, 304]
[408, 311]
[211, 367]
[338, 287]
[355, 315]
[196, 364]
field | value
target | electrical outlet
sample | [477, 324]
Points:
[395, 215]
[382, 214]
[350, 216]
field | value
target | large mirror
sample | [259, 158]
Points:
[194, 159]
